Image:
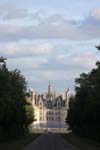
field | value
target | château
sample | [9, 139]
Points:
[50, 109]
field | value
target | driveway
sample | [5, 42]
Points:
[50, 141]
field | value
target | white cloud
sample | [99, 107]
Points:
[25, 50]
[76, 58]
[16, 14]
[50, 26]
[95, 14]
[58, 74]
[7, 6]
[10, 32]
[22, 29]
[26, 65]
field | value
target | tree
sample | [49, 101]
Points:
[13, 104]
[84, 109]
[98, 47]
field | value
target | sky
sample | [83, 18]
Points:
[50, 40]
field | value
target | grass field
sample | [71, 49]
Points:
[19, 143]
[81, 143]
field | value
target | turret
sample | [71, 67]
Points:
[49, 91]
[49, 88]
[68, 96]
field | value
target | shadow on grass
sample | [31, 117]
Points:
[18, 144]
[81, 143]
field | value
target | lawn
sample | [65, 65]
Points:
[19, 143]
[81, 143]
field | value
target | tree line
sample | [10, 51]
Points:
[84, 109]
[16, 113]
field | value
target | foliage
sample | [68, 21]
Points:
[13, 113]
[84, 110]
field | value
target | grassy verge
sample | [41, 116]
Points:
[81, 143]
[19, 143]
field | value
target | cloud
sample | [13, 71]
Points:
[10, 32]
[79, 59]
[61, 62]
[9, 11]
[16, 14]
[26, 65]
[95, 14]
[48, 46]
[38, 15]
[90, 26]
[43, 25]
[14, 50]
[58, 74]
[7, 6]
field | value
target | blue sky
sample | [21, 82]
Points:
[50, 40]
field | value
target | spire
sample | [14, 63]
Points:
[49, 88]
[49, 83]
[68, 90]
[49, 91]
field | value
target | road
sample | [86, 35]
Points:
[50, 141]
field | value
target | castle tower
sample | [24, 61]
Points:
[50, 94]
[68, 96]
[49, 88]
[33, 97]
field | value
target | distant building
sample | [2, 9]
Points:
[50, 108]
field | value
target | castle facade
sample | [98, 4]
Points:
[50, 109]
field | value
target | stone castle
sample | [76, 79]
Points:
[50, 109]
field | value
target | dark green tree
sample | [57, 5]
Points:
[84, 110]
[14, 115]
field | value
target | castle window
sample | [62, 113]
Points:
[56, 113]
[59, 119]
[59, 112]
[40, 118]
[50, 113]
